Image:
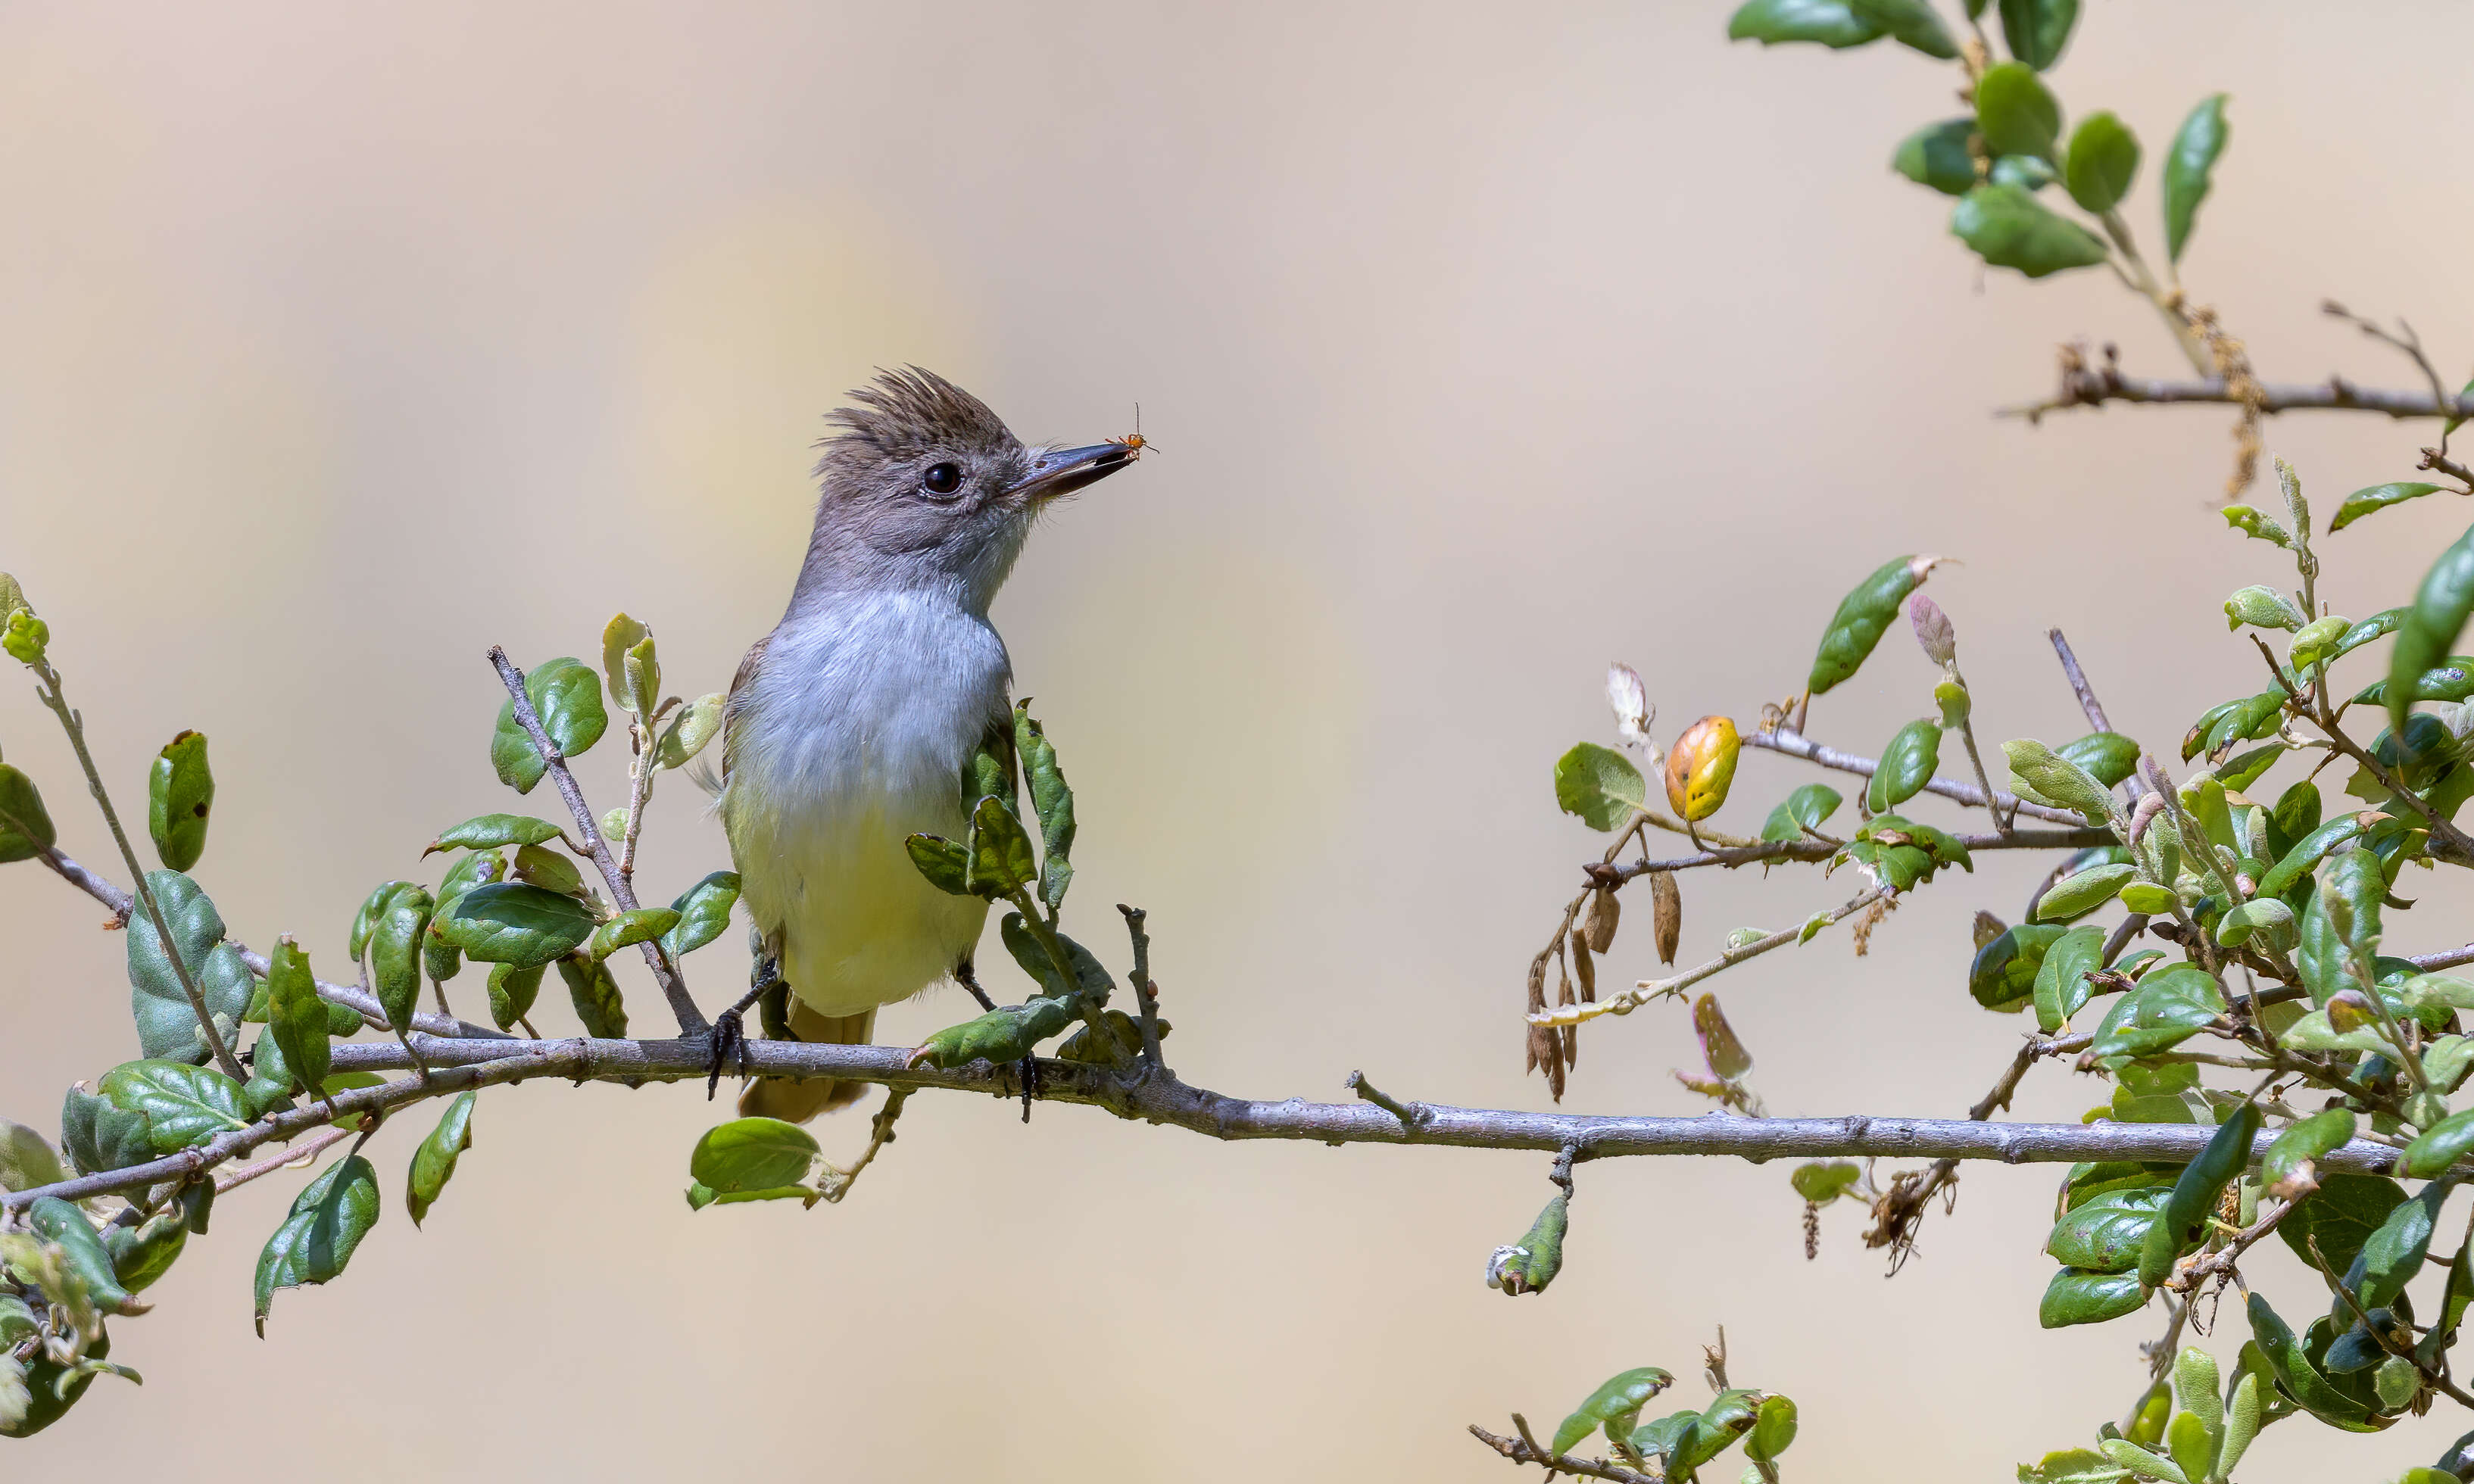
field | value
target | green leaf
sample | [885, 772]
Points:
[396, 943]
[183, 1106]
[1616, 1405]
[1007, 1033]
[1810, 804]
[945, 863]
[26, 829]
[2062, 985]
[2077, 1298]
[166, 1024]
[513, 922]
[2375, 499]
[617, 637]
[1124, 1038]
[327, 1223]
[1821, 1183]
[2073, 1466]
[2393, 1254]
[26, 1162]
[2305, 854]
[2263, 607]
[2107, 757]
[2188, 169]
[549, 870]
[143, 1253]
[2267, 919]
[2342, 1215]
[2184, 1217]
[2076, 896]
[81, 1252]
[1773, 1429]
[1527, 1266]
[1832, 23]
[2431, 623]
[1001, 856]
[512, 992]
[2036, 32]
[2252, 522]
[433, 1163]
[566, 697]
[493, 832]
[2440, 1146]
[2038, 773]
[1053, 800]
[296, 1017]
[2003, 976]
[752, 1154]
[2290, 1164]
[2105, 1235]
[704, 912]
[2168, 1006]
[1937, 156]
[595, 993]
[1863, 615]
[97, 1137]
[697, 723]
[1598, 783]
[2104, 160]
[1906, 766]
[1090, 976]
[2016, 115]
[179, 793]
[1911, 22]
[2024, 171]
[632, 927]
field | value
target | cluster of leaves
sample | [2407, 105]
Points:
[766, 1159]
[1681, 1443]
[507, 899]
[2000, 159]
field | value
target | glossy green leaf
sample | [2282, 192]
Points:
[1911, 22]
[1863, 615]
[2105, 1235]
[2290, 1165]
[2267, 919]
[2061, 979]
[2102, 162]
[2188, 168]
[704, 912]
[2076, 1298]
[1810, 804]
[1821, 1182]
[2306, 853]
[1615, 1406]
[2016, 113]
[1937, 156]
[1001, 855]
[566, 697]
[945, 862]
[296, 1017]
[512, 992]
[493, 832]
[2392, 1255]
[168, 1025]
[83, 1253]
[2077, 895]
[2168, 1006]
[2354, 886]
[514, 922]
[2183, 1219]
[1007, 1033]
[1832, 23]
[752, 1154]
[1906, 766]
[183, 1106]
[433, 1163]
[696, 725]
[180, 795]
[396, 943]
[2339, 1216]
[2003, 976]
[2036, 31]
[2440, 1146]
[141, 1254]
[2378, 498]
[2431, 623]
[2040, 774]
[1598, 783]
[97, 1137]
[1774, 1427]
[2107, 757]
[26, 829]
[2010, 228]
[327, 1223]
[594, 991]
[629, 928]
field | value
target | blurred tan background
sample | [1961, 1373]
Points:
[1480, 344]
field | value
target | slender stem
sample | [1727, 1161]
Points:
[691, 1021]
[639, 791]
[53, 697]
[1145, 993]
[1648, 990]
[1797, 746]
[2094, 386]
[299, 1154]
[1525, 1449]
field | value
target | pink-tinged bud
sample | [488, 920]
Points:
[1933, 630]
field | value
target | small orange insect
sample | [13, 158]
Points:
[1135, 443]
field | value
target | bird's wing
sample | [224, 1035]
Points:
[738, 697]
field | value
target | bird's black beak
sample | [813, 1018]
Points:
[1056, 472]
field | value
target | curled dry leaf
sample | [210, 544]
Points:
[1606, 910]
[1666, 906]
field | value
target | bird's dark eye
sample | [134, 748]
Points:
[941, 478]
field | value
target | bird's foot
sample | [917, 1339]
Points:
[727, 1042]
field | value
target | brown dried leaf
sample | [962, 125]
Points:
[1666, 907]
[1605, 909]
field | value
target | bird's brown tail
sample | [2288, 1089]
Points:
[796, 1100]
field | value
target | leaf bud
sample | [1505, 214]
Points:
[26, 637]
[1933, 631]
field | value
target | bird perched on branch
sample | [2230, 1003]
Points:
[855, 723]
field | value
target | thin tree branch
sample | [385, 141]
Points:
[2094, 386]
[1524, 1449]
[691, 1021]
[1796, 744]
[1810, 849]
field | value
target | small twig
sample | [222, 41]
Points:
[2407, 342]
[2092, 387]
[1648, 990]
[1525, 1449]
[298, 1156]
[1145, 993]
[2220, 1263]
[1410, 1114]
[1797, 746]
[691, 1021]
[2089, 705]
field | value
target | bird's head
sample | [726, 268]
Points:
[923, 486]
